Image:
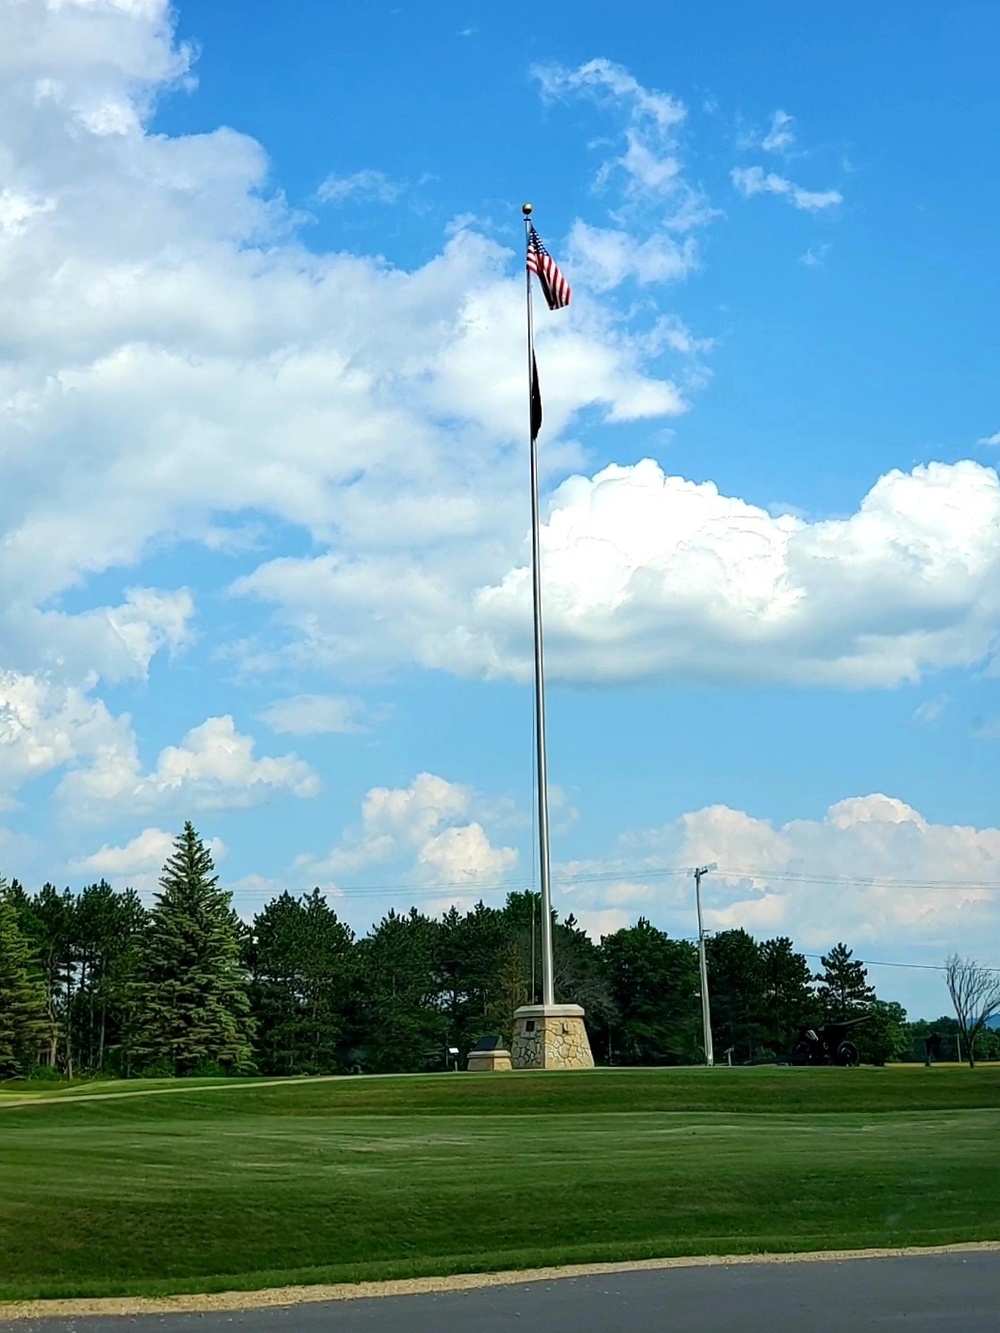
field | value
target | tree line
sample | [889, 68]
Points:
[96, 983]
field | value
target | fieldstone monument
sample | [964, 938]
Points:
[489, 1056]
[550, 1036]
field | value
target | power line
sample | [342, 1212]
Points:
[918, 967]
[598, 877]
[864, 881]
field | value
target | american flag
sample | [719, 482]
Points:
[555, 288]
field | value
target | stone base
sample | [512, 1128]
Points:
[550, 1036]
[489, 1062]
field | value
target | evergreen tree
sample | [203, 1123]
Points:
[579, 976]
[51, 929]
[843, 990]
[191, 1006]
[787, 999]
[402, 1026]
[483, 968]
[24, 1021]
[300, 958]
[110, 927]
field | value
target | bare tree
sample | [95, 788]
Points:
[975, 993]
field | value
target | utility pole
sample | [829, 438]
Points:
[706, 1012]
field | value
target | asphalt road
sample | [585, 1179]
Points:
[953, 1292]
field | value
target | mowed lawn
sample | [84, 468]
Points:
[172, 1188]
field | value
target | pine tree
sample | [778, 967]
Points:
[300, 959]
[24, 1025]
[843, 991]
[191, 1006]
[787, 1001]
[111, 927]
[402, 1025]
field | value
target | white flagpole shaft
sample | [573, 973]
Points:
[548, 992]
[706, 1011]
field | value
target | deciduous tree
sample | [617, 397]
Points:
[653, 982]
[975, 993]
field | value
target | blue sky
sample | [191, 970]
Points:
[265, 505]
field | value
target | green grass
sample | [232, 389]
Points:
[245, 1185]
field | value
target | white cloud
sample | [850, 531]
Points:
[815, 256]
[139, 862]
[652, 239]
[176, 356]
[604, 922]
[780, 136]
[427, 827]
[44, 726]
[112, 643]
[930, 710]
[318, 714]
[648, 575]
[880, 841]
[605, 257]
[213, 769]
[755, 180]
[365, 186]
[652, 575]
[147, 851]
[603, 80]
[178, 366]
[990, 439]
[872, 870]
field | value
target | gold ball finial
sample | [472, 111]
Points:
[526, 209]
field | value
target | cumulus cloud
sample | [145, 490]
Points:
[648, 575]
[44, 726]
[990, 439]
[111, 643]
[175, 356]
[872, 870]
[178, 366]
[214, 768]
[424, 826]
[890, 872]
[755, 180]
[137, 863]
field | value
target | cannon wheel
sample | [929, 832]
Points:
[802, 1054]
[847, 1054]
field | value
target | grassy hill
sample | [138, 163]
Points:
[177, 1187]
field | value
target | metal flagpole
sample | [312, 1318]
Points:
[706, 1012]
[548, 994]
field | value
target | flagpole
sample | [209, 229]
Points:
[548, 993]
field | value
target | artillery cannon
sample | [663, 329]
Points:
[828, 1044]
